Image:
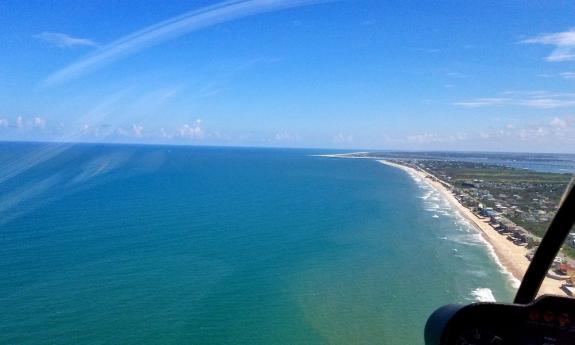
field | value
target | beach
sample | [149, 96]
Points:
[510, 256]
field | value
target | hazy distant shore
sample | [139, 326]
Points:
[510, 256]
[352, 155]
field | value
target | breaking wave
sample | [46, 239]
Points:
[483, 295]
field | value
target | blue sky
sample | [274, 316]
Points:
[404, 75]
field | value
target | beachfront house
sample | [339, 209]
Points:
[487, 211]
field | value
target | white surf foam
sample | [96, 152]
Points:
[466, 239]
[460, 220]
[483, 295]
[478, 273]
[427, 195]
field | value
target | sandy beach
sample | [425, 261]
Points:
[510, 256]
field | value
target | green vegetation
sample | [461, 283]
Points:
[527, 198]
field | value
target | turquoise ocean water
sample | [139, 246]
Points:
[107, 244]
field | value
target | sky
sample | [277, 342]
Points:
[389, 75]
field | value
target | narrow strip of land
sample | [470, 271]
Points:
[512, 257]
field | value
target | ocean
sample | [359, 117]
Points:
[120, 244]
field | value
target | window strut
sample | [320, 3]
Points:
[549, 247]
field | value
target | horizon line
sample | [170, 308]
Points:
[352, 150]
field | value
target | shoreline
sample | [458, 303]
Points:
[510, 257]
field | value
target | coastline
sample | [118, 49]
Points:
[510, 257]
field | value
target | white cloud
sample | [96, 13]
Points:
[565, 123]
[39, 122]
[564, 43]
[286, 137]
[532, 99]
[427, 50]
[20, 122]
[65, 41]
[193, 132]
[481, 102]
[435, 138]
[165, 134]
[4, 122]
[121, 132]
[564, 75]
[556, 131]
[424, 138]
[558, 123]
[170, 29]
[137, 129]
[567, 75]
[545, 135]
[342, 138]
